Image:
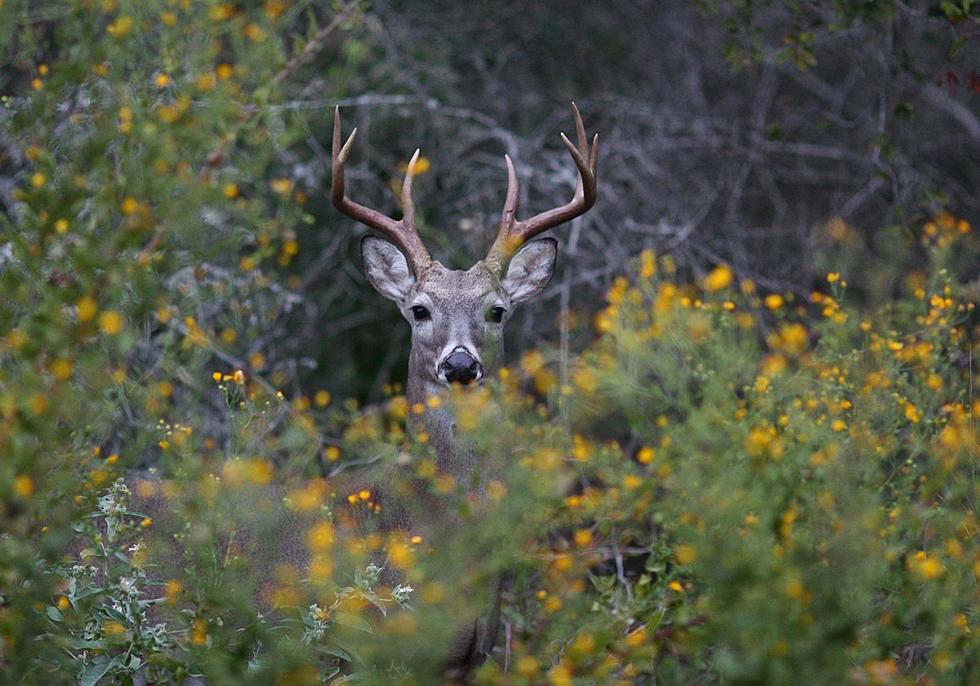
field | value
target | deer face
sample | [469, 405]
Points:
[457, 317]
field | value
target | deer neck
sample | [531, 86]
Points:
[454, 457]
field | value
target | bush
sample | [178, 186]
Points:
[724, 485]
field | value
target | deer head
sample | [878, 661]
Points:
[457, 316]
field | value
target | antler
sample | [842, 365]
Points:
[515, 233]
[401, 233]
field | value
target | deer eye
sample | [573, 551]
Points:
[420, 313]
[496, 314]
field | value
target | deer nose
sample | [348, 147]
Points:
[461, 367]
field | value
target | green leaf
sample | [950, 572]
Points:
[94, 671]
[353, 621]
[83, 644]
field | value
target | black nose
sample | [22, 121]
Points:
[460, 367]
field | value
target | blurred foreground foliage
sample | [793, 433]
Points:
[728, 485]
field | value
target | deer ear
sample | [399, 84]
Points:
[530, 269]
[386, 268]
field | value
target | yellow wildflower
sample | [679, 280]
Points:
[774, 301]
[24, 486]
[111, 322]
[320, 536]
[718, 279]
[685, 554]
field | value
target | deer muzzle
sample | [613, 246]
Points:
[460, 367]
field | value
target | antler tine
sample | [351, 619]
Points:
[401, 233]
[513, 198]
[408, 206]
[513, 232]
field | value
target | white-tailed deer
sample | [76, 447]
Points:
[457, 316]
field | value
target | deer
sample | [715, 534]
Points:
[457, 317]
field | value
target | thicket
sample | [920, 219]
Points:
[720, 473]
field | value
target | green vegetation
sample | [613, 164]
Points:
[725, 482]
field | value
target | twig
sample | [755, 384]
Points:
[217, 154]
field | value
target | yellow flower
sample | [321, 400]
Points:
[646, 455]
[583, 538]
[260, 471]
[162, 80]
[111, 322]
[400, 555]
[281, 186]
[757, 441]
[527, 666]
[113, 628]
[637, 638]
[205, 82]
[24, 486]
[774, 301]
[199, 632]
[718, 279]
[648, 264]
[320, 536]
[61, 368]
[763, 440]
[925, 565]
[120, 27]
[254, 32]
[791, 338]
[321, 569]
[222, 12]
[685, 554]
[561, 675]
[173, 589]
[421, 166]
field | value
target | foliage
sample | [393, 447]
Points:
[727, 483]
[803, 25]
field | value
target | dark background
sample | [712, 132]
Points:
[722, 140]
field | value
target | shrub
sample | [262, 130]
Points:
[724, 485]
